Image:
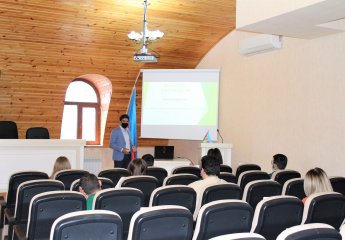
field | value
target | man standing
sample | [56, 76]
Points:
[121, 143]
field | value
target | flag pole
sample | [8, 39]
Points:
[135, 83]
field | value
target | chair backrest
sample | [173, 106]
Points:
[149, 159]
[223, 217]
[239, 236]
[45, 208]
[146, 184]
[37, 133]
[114, 174]
[106, 183]
[255, 191]
[67, 177]
[16, 179]
[229, 177]
[27, 190]
[282, 176]
[179, 195]
[164, 222]
[328, 208]
[123, 201]
[294, 187]
[246, 167]
[310, 231]
[8, 130]
[157, 172]
[97, 224]
[180, 179]
[187, 169]
[249, 176]
[274, 214]
[338, 184]
[221, 192]
[225, 168]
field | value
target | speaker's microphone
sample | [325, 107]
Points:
[220, 135]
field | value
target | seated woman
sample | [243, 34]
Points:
[61, 163]
[316, 181]
[136, 167]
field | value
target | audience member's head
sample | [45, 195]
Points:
[61, 163]
[279, 162]
[215, 152]
[89, 184]
[316, 181]
[149, 159]
[209, 166]
[137, 167]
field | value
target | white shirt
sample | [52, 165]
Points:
[126, 136]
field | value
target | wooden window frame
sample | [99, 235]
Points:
[80, 106]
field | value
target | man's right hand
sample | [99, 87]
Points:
[125, 150]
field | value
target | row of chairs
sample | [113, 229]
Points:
[9, 130]
[215, 218]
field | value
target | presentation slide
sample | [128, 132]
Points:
[180, 104]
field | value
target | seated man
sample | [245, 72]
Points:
[279, 162]
[210, 169]
[89, 185]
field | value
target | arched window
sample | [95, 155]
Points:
[81, 115]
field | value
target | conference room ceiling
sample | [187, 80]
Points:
[45, 44]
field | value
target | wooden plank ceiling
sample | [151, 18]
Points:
[45, 44]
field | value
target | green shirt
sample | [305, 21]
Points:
[89, 202]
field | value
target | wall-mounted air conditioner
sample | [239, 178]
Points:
[260, 43]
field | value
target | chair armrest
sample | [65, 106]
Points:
[9, 215]
[19, 232]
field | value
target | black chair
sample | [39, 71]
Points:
[187, 169]
[123, 201]
[328, 208]
[67, 177]
[180, 179]
[105, 182]
[275, 214]
[157, 172]
[161, 222]
[246, 167]
[294, 187]
[8, 130]
[283, 175]
[229, 177]
[179, 195]
[249, 176]
[149, 159]
[223, 217]
[97, 224]
[221, 192]
[239, 236]
[114, 174]
[37, 133]
[26, 191]
[255, 191]
[310, 231]
[146, 184]
[45, 208]
[15, 180]
[225, 168]
[338, 184]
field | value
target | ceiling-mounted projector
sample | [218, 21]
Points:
[145, 57]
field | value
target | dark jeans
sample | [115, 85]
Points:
[124, 163]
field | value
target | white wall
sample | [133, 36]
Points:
[289, 101]
[251, 11]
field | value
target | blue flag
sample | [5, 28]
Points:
[132, 113]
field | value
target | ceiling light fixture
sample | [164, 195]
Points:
[145, 38]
